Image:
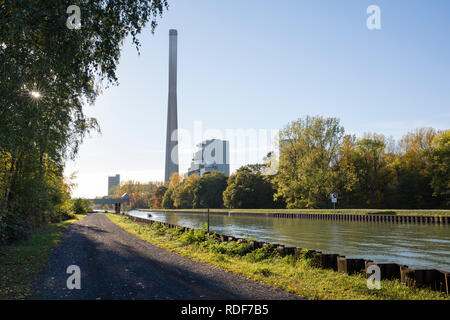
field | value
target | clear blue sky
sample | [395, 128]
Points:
[260, 64]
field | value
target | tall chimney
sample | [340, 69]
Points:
[172, 121]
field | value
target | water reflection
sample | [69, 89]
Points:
[416, 245]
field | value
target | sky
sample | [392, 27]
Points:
[256, 65]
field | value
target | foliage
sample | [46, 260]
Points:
[368, 161]
[231, 248]
[140, 193]
[410, 185]
[249, 188]
[33, 197]
[307, 174]
[317, 158]
[81, 206]
[210, 189]
[38, 132]
[156, 200]
[439, 159]
[194, 191]
[370, 172]
[185, 194]
[261, 254]
[193, 236]
[168, 198]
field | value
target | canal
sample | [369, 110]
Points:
[416, 245]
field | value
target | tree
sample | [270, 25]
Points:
[185, 193]
[47, 73]
[370, 150]
[210, 189]
[439, 157]
[140, 194]
[138, 200]
[309, 150]
[168, 200]
[248, 188]
[411, 186]
[157, 197]
[81, 206]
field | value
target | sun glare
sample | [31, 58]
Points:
[35, 94]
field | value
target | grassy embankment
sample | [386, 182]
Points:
[21, 262]
[411, 212]
[298, 276]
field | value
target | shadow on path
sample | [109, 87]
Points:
[115, 264]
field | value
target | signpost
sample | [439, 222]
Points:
[334, 197]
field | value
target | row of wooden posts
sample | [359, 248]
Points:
[438, 280]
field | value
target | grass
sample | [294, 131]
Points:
[21, 262]
[322, 211]
[298, 276]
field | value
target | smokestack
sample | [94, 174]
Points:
[172, 121]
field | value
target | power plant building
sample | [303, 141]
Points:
[212, 155]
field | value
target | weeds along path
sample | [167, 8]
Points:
[115, 264]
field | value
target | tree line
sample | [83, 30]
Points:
[316, 159]
[373, 171]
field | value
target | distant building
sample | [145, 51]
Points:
[212, 155]
[112, 182]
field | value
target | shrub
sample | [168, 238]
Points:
[261, 254]
[14, 227]
[193, 236]
[231, 248]
[81, 206]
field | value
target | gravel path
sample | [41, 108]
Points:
[115, 264]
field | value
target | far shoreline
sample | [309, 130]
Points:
[396, 212]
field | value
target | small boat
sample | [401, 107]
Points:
[149, 215]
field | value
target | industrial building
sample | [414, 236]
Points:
[212, 155]
[112, 182]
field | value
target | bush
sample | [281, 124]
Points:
[81, 206]
[67, 216]
[14, 228]
[193, 236]
[261, 254]
[231, 248]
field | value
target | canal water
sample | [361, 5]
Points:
[416, 245]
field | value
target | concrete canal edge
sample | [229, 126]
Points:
[437, 280]
[368, 217]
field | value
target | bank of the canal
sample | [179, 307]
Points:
[381, 215]
[299, 276]
[417, 245]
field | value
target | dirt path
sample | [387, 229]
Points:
[115, 264]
